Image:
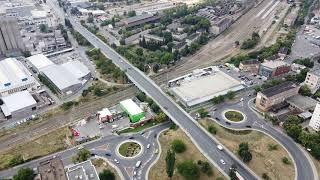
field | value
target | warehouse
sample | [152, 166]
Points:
[64, 81]
[78, 69]
[18, 103]
[39, 61]
[134, 112]
[14, 77]
[203, 85]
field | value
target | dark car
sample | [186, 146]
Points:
[248, 126]
[217, 119]
[92, 154]
[228, 123]
[108, 154]
[155, 135]
[131, 137]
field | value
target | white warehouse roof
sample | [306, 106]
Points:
[60, 76]
[17, 101]
[131, 107]
[40, 61]
[13, 74]
[77, 68]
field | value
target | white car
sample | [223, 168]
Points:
[219, 147]
[222, 161]
[148, 146]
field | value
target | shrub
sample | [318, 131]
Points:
[189, 170]
[178, 146]
[285, 160]
[212, 129]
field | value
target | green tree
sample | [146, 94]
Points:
[17, 159]
[170, 162]
[166, 58]
[302, 75]
[244, 152]
[43, 28]
[285, 160]
[106, 174]
[230, 94]
[24, 174]
[90, 19]
[189, 170]
[305, 90]
[178, 146]
[205, 167]
[141, 96]
[81, 156]
[203, 113]
[139, 51]
[161, 117]
[212, 129]
[131, 13]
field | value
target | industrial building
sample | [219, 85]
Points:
[18, 103]
[220, 25]
[84, 170]
[313, 80]
[134, 112]
[140, 19]
[203, 85]
[104, 115]
[14, 77]
[276, 95]
[52, 169]
[315, 119]
[271, 69]
[10, 38]
[64, 81]
[301, 103]
[67, 78]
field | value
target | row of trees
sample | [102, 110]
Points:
[251, 43]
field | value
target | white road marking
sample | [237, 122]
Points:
[264, 9]
[271, 9]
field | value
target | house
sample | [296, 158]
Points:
[276, 95]
[273, 68]
[251, 66]
[104, 115]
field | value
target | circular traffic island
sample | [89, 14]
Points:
[129, 149]
[234, 116]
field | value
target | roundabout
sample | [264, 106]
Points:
[234, 116]
[129, 149]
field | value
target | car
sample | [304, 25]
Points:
[108, 154]
[92, 154]
[134, 173]
[155, 135]
[248, 126]
[219, 147]
[131, 137]
[148, 146]
[138, 164]
[142, 132]
[156, 151]
[165, 107]
[222, 161]
[214, 109]
[228, 123]
[218, 119]
[115, 160]
[80, 147]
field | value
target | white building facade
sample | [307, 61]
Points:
[313, 80]
[315, 119]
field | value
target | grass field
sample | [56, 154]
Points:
[234, 116]
[158, 171]
[129, 149]
[264, 160]
[100, 165]
[44, 145]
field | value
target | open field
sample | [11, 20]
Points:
[264, 160]
[100, 165]
[44, 145]
[158, 171]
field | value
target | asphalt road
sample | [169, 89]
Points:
[304, 170]
[109, 144]
[198, 135]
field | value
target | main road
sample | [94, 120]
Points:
[200, 137]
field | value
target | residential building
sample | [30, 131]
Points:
[276, 95]
[104, 115]
[140, 19]
[52, 169]
[150, 37]
[179, 46]
[313, 80]
[18, 103]
[315, 119]
[84, 170]
[297, 68]
[273, 68]
[10, 38]
[251, 66]
[179, 36]
[14, 77]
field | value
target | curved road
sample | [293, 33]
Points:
[303, 165]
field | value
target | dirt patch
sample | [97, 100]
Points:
[264, 160]
[101, 164]
[158, 171]
[44, 145]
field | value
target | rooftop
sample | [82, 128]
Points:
[60, 76]
[17, 101]
[77, 68]
[252, 61]
[315, 72]
[131, 107]
[288, 85]
[84, 170]
[274, 64]
[138, 18]
[39, 61]
[302, 102]
[52, 169]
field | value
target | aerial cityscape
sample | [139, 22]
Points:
[160, 89]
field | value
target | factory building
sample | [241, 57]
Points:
[18, 103]
[141, 19]
[39, 61]
[10, 38]
[64, 81]
[134, 112]
[78, 69]
[14, 77]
